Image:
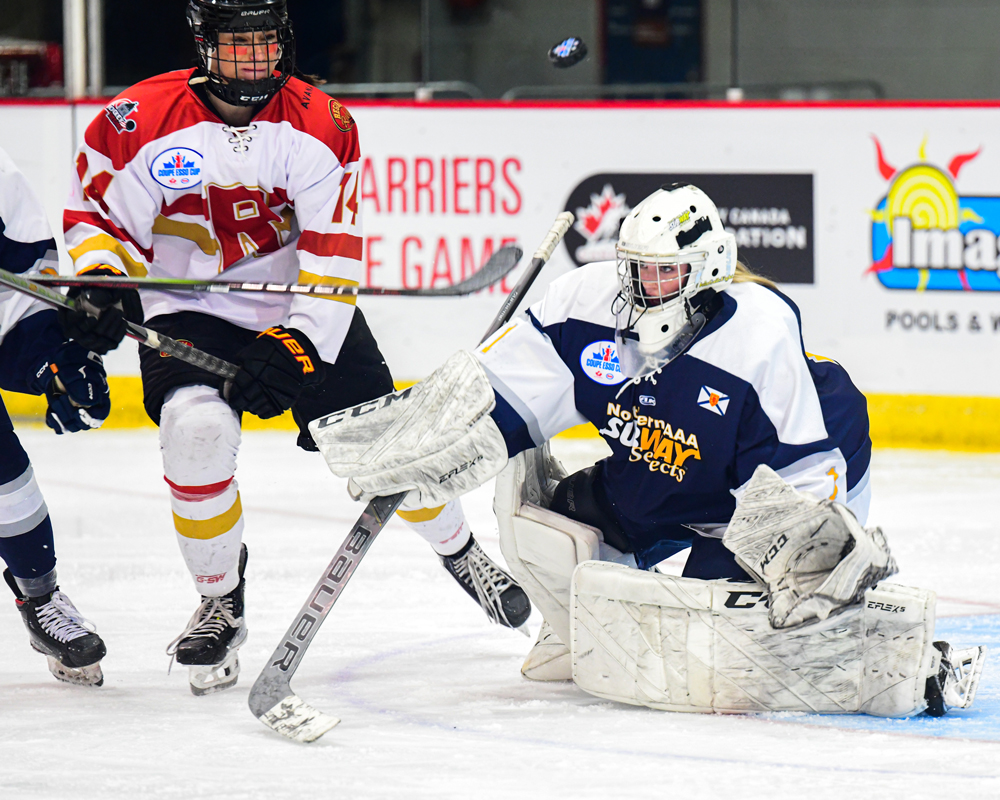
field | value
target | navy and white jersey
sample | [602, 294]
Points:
[685, 440]
[29, 329]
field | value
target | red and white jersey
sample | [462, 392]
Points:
[167, 189]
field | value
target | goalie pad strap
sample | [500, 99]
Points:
[680, 644]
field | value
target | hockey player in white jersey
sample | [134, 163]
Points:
[239, 167]
[727, 438]
[36, 358]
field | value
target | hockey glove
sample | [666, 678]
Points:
[76, 386]
[274, 369]
[105, 330]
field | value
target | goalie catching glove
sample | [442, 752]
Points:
[435, 440]
[813, 555]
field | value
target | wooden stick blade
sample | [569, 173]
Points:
[297, 720]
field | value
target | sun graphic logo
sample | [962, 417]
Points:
[925, 236]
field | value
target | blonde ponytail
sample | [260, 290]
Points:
[746, 275]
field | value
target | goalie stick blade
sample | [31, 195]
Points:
[296, 720]
[272, 694]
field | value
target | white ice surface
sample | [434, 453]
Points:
[430, 695]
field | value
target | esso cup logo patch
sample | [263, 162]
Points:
[177, 168]
[599, 362]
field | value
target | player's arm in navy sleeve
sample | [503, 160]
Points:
[26, 347]
[32, 331]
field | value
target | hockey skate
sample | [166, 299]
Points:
[954, 683]
[549, 659]
[209, 646]
[62, 634]
[500, 597]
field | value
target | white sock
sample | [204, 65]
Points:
[444, 527]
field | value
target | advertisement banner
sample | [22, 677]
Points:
[880, 221]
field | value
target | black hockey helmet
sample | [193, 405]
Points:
[236, 18]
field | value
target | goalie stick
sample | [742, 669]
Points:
[272, 699]
[496, 268]
[145, 336]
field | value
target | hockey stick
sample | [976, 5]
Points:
[496, 268]
[272, 699]
[145, 336]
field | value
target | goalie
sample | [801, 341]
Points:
[727, 438]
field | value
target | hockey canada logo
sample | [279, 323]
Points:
[118, 114]
[599, 362]
[177, 168]
[926, 236]
[341, 116]
[598, 224]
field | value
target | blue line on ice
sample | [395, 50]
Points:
[980, 723]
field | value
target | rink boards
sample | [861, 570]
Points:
[880, 221]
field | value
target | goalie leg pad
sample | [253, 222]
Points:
[541, 548]
[680, 644]
[435, 440]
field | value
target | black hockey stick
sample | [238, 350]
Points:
[272, 699]
[145, 336]
[496, 268]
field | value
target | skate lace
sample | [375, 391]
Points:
[487, 580]
[210, 619]
[241, 137]
[61, 620]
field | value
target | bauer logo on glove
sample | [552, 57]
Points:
[293, 346]
[274, 369]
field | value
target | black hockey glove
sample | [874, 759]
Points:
[274, 369]
[76, 386]
[103, 332]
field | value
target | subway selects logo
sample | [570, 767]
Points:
[926, 236]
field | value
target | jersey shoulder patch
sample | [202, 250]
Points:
[313, 112]
[143, 113]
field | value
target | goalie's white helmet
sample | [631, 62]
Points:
[672, 246]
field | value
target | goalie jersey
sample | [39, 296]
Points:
[685, 440]
[29, 329]
[166, 188]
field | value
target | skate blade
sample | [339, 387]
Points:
[91, 675]
[524, 629]
[295, 720]
[212, 678]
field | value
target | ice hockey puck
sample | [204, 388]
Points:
[568, 52]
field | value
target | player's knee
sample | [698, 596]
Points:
[199, 436]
